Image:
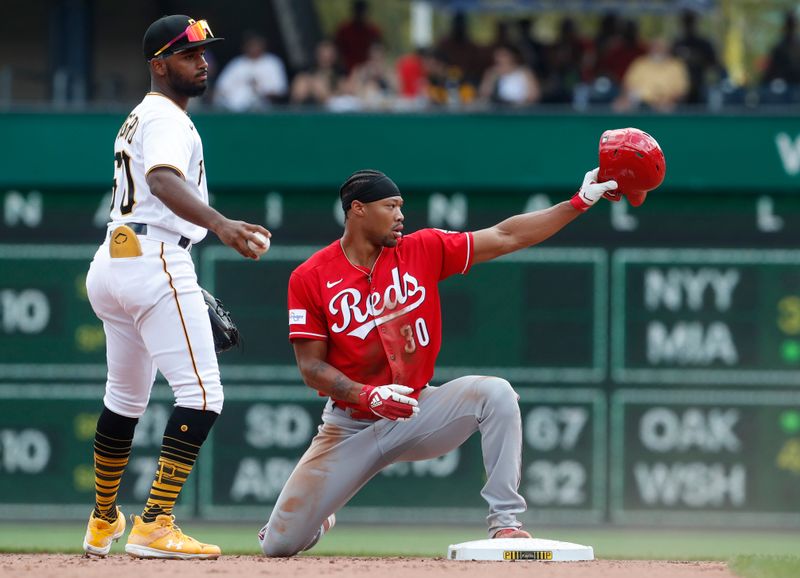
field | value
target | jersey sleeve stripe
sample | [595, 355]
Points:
[174, 168]
[469, 247]
[307, 334]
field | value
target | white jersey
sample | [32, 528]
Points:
[157, 133]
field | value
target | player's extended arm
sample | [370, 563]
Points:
[528, 229]
[181, 198]
[387, 401]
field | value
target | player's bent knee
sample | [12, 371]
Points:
[496, 388]
[499, 393]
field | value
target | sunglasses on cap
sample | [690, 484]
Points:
[195, 32]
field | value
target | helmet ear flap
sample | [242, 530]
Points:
[636, 198]
[634, 159]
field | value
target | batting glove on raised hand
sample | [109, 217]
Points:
[389, 401]
[591, 191]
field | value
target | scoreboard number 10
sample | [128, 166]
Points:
[26, 311]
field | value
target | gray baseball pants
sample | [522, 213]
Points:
[347, 453]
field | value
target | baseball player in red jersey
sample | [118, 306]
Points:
[365, 323]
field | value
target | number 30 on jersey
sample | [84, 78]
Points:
[123, 182]
[422, 335]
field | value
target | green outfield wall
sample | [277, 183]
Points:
[656, 350]
[508, 152]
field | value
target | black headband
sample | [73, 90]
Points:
[379, 188]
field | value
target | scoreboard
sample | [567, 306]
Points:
[706, 316]
[46, 457]
[670, 457]
[657, 358]
[523, 313]
[48, 327]
[46, 441]
[734, 455]
[563, 476]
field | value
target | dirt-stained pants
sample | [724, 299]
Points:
[347, 453]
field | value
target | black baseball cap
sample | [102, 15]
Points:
[173, 29]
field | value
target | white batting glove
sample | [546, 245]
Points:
[591, 191]
[389, 401]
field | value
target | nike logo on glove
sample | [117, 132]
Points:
[334, 284]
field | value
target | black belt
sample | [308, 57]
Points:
[141, 229]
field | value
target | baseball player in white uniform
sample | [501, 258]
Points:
[143, 286]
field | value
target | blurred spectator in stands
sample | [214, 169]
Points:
[446, 85]
[435, 79]
[657, 80]
[608, 32]
[619, 52]
[355, 37]
[534, 52]
[411, 75]
[373, 80]
[344, 97]
[509, 81]
[316, 86]
[784, 59]
[565, 61]
[253, 80]
[699, 56]
[458, 50]
[502, 36]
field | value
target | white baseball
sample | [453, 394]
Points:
[259, 249]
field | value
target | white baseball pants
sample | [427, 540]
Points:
[154, 318]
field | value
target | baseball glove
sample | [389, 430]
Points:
[226, 334]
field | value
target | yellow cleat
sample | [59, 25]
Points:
[100, 534]
[163, 539]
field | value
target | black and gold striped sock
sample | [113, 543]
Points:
[186, 431]
[112, 448]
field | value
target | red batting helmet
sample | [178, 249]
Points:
[632, 158]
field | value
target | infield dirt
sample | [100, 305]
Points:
[121, 566]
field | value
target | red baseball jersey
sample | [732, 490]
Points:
[385, 325]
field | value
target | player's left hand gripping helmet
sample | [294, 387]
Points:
[632, 158]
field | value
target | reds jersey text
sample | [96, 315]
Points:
[382, 326]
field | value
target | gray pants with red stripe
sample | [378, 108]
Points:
[347, 453]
